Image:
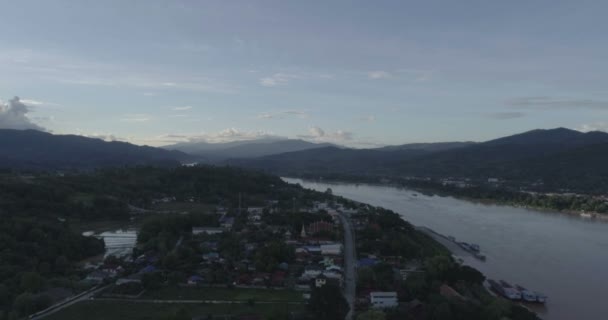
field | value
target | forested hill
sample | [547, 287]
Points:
[559, 157]
[32, 149]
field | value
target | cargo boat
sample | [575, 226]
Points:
[505, 289]
[531, 296]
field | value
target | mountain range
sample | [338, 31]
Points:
[213, 152]
[32, 149]
[559, 157]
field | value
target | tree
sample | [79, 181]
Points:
[372, 315]
[31, 282]
[328, 303]
[24, 303]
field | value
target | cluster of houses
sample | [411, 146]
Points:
[317, 248]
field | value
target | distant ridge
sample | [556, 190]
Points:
[32, 149]
[245, 149]
[556, 156]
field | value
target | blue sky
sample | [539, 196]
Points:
[359, 73]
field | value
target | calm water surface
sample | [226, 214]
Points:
[561, 255]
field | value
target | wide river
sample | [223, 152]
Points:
[561, 255]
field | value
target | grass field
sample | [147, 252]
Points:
[224, 294]
[103, 310]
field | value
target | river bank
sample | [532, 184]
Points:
[442, 191]
[557, 254]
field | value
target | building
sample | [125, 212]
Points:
[333, 249]
[207, 230]
[384, 299]
[320, 226]
[312, 271]
[97, 276]
[226, 222]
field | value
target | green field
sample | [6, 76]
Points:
[103, 310]
[223, 294]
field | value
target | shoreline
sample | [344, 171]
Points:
[602, 217]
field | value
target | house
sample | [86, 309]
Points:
[134, 278]
[367, 262]
[207, 230]
[97, 276]
[211, 256]
[383, 300]
[226, 222]
[254, 217]
[335, 276]
[334, 268]
[313, 249]
[312, 271]
[331, 249]
[195, 280]
[255, 210]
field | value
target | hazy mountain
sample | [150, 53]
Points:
[494, 156]
[31, 149]
[245, 149]
[530, 155]
[331, 160]
[437, 146]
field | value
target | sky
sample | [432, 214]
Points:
[356, 73]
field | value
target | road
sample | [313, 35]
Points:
[350, 278]
[82, 297]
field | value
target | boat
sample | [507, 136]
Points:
[526, 294]
[531, 296]
[474, 247]
[479, 256]
[509, 292]
[415, 194]
[540, 298]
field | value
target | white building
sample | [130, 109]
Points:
[333, 249]
[210, 231]
[384, 299]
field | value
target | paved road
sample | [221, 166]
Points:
[45, 313]
[350, 281]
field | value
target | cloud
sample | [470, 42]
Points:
[135, 118]
[557, 103]
[105, 137]
[283, 114]
[317, 134]
[13, 115]
[226, 135]
[379, 75]
[184, 108]
[506, 115]
[82, 71]
[595, 126]
[370, 118]
[277, 79]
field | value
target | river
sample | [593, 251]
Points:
[561, 255]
